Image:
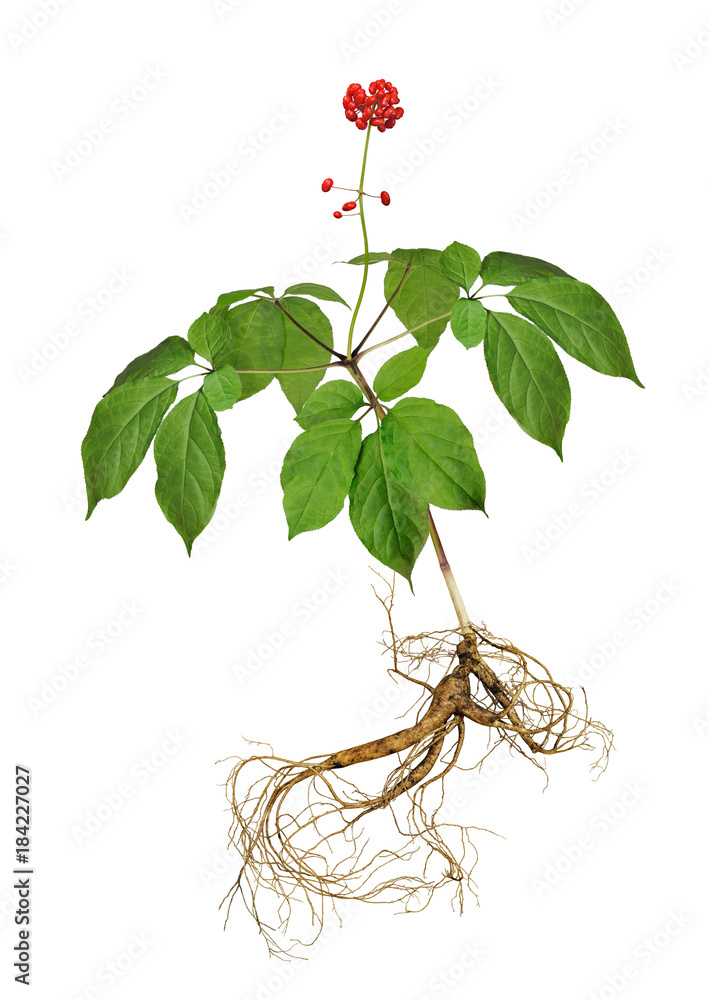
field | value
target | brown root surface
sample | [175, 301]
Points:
[308, 835]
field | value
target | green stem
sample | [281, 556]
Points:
[418, 326]
[350, 335]
[389, 301]
[284, 371]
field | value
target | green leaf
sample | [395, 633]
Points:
[189, 455]
[501, 268]
[529, 378]
[316, 291]
[121, 429]
[390, 520]
[208, 335]
[400, 373]
[231, 298]
[579, 320]
[171, 355]
[257, 340]
[222, 388]
[432, 454]
[302, 352]
[426, 293]
[461, 264]
[317, 473]
[374, 258]
[331, 401]
[468, 322]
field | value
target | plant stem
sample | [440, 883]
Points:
[389, 301]
[455, 595]
[366, 247]
[312, 336]
[391, 340]
[463, 618]
[285, 371]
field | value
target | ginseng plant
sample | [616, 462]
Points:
[304, 831]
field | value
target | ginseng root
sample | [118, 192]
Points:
[307, 835]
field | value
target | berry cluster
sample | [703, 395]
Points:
[328, 184]
[378, 108]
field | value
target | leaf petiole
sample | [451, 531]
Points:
[312, 336]
[412, 329]
[389, 301]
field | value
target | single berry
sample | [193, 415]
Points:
[386, 198]
[349, 205]
[327, 183]
[338, 215]
[361, 123]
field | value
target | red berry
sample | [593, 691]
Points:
[382, 128]
[327, 183]
[399, 113]
[377, 121]
[361, 123]
[351, 115]
[386, 198]
[338, 215]
[349, 205]
[390, 123]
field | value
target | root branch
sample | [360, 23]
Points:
[299, 825]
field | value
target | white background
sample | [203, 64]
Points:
[613, 94]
